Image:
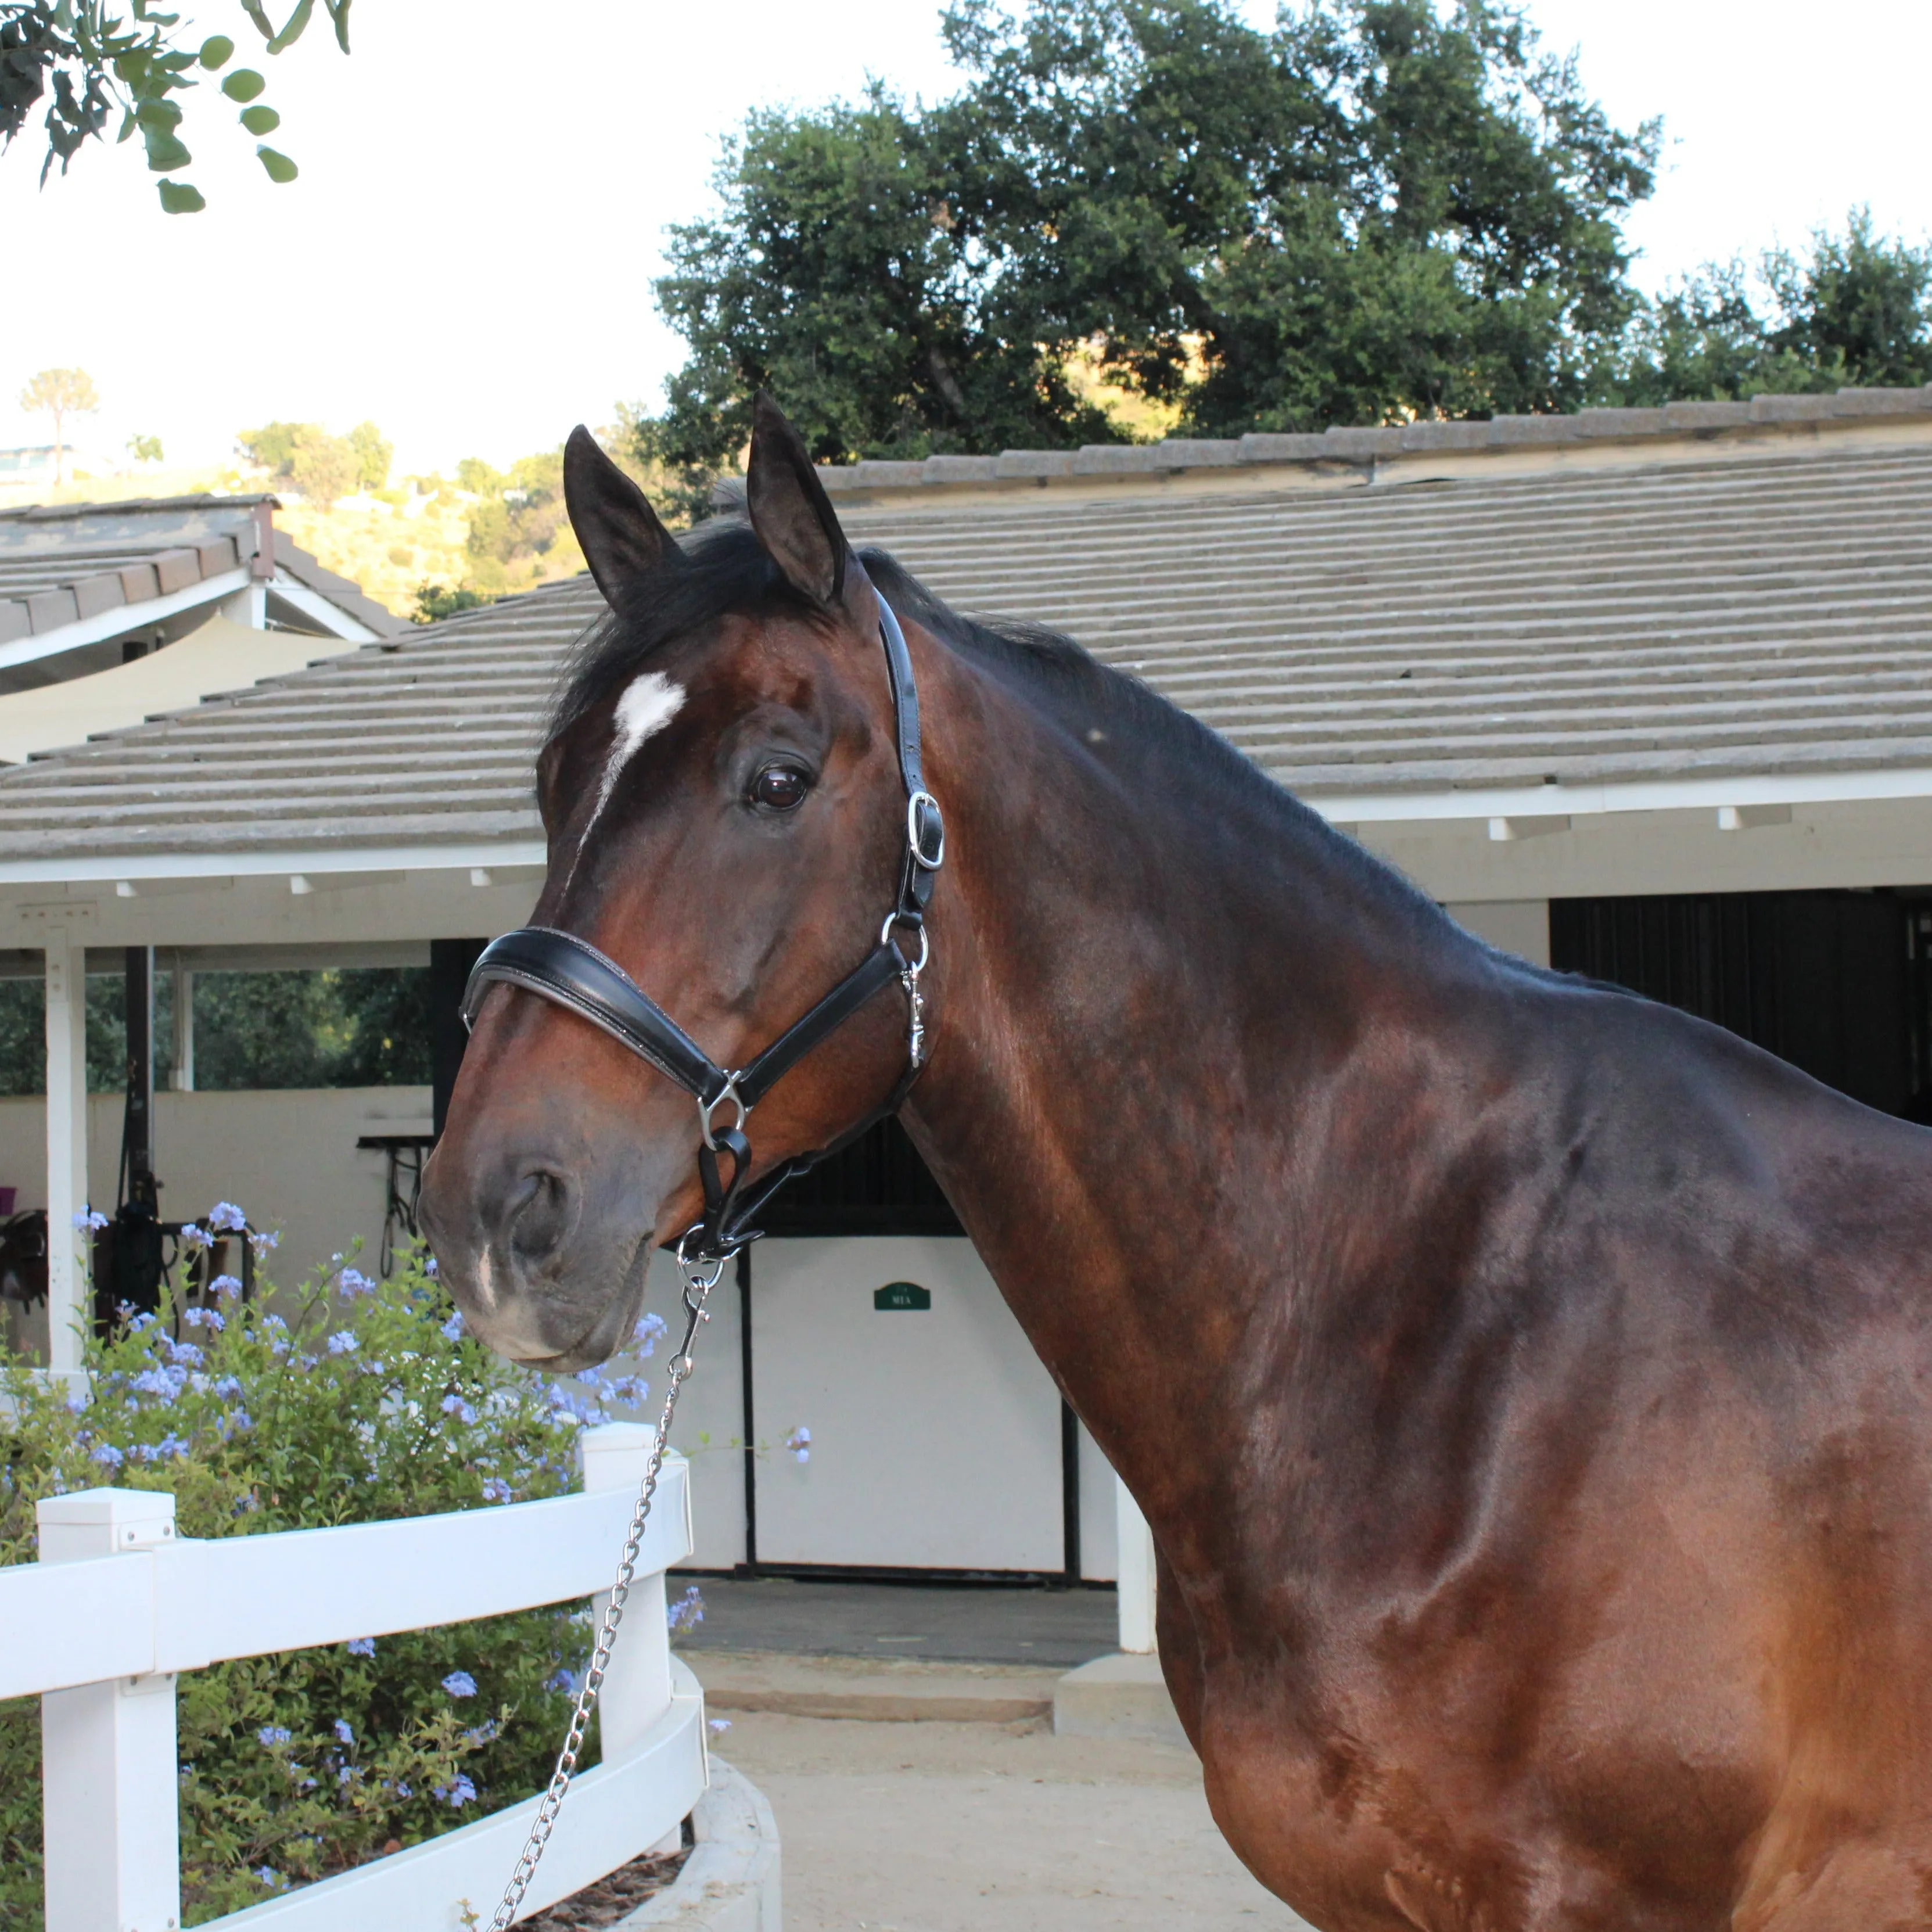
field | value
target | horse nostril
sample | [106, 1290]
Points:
[540, 1213]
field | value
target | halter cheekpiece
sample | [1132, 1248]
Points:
[572, 972]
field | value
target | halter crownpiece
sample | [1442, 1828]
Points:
[573, 973]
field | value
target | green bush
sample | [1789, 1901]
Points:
[364, 1401]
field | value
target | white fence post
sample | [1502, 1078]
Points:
[636, 1689]
[1135, 1566]
[109, 1762]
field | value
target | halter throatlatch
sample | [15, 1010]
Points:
[573, 973]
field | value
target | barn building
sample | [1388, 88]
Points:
[1639, 693]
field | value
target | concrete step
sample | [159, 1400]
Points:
[889, 1691]
[1124, 1696]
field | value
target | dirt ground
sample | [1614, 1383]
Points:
[991, 1828]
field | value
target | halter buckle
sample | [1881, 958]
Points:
[707, 1109]
[925, 831]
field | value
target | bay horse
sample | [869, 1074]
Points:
[1527, 1385]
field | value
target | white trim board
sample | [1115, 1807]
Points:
[366, 860]
[1744, 790]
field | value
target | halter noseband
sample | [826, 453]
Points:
[573, 973]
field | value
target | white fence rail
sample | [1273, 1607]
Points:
[117, 1606]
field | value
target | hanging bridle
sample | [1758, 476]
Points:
[571, 972]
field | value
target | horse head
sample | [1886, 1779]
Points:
[724, 812]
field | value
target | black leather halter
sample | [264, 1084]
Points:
[571, 971]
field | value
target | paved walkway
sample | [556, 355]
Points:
[956, 1624]
[992, 1827]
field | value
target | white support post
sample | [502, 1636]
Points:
[109, 1762]
[182, 1079]
[66, 1145]
[637, 1691]
[1135, 1564]
[249, 606]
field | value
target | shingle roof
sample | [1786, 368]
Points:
[1766, 611]
[62, 562]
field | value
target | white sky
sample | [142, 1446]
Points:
[467, 256]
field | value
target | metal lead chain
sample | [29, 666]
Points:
[701, 1275]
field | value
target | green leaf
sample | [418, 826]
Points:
[259, 120]
[165, 115]
[244, 84]
[338, 12]
[278, 167]
[215, 51]
[293, 32]
[180, 198]
[165, 152]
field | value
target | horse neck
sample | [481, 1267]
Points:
[1171, 1006]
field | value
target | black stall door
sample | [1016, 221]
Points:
[1839, 983]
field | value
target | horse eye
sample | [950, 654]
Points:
[780, 787]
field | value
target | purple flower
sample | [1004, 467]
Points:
[453, 1404]
[452, 1329]
[192, 1240]
[495, 1489]
[687, 1612]
[205, 1318]
[645, 1334]
[429, 1268]
[799, 1444]
[343, 1343]
[272, 1734]
[225, 1285]
[459, 1683]
[265, 1241]
[718, 1724]
[90, 1217]
[183, 1352]
[362, 1646]
[269, 1876]
[564, 1680]
[344, 1734]
[456, 1794]
[227, 1387]
[227, 1217]
[353, 1281]
[237, 1421]
[478, 1735]
[107, 1454]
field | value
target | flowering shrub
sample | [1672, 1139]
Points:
[356, 1401]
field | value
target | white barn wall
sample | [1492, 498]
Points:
[287, 1157]
[1521, 926]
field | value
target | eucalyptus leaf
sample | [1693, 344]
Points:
[244, 84]
[180, 198]
[259, 120]
[278, 167]
[166, 152]
[293, 32]
[216, 51]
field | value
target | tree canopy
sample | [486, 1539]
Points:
[96, 58]
[323, 467]
[1376, 209]
[1380, 210]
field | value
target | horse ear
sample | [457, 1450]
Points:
[790, 510]
[622, 537]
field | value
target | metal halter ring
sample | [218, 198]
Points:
[701, 1273]
[922, 813]
[706, 1108]
[918, 966]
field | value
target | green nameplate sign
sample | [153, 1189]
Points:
[902, 1295]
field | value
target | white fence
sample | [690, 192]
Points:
[117, 1606]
